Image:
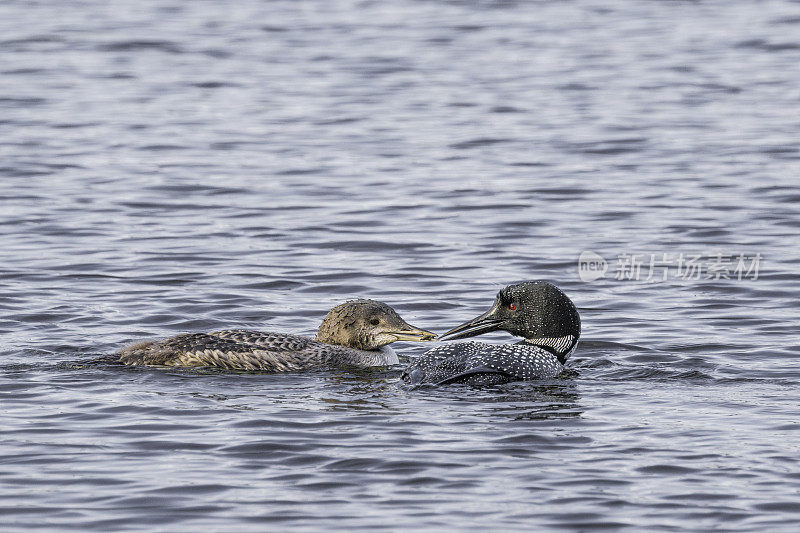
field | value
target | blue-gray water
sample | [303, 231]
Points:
[185, 166]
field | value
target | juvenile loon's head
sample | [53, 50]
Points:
[367, 325]
[536, 310]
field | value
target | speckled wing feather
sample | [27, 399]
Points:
[274, 341]
[233, 349]
[479, 363]
[439, 364]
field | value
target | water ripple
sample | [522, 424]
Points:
[168, 169]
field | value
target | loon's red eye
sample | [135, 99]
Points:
[513, 307]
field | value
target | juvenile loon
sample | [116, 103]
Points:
[355, 333]
[535, 310]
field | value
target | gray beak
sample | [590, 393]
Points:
[488, 321]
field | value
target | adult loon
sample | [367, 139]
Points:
[355, 333]
[535, 310]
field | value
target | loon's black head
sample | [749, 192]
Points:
[367, 325]
[536, 310]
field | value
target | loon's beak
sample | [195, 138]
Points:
[488, 321]
[412, 334]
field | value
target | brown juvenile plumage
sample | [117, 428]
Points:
[353, 333]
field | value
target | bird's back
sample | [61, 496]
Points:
[479, 363]
[233, 349]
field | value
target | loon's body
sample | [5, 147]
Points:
[252, 350]
[356, 333]
[536, 310]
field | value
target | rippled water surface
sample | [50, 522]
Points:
[185, 166]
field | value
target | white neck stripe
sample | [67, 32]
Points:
[559, 344]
